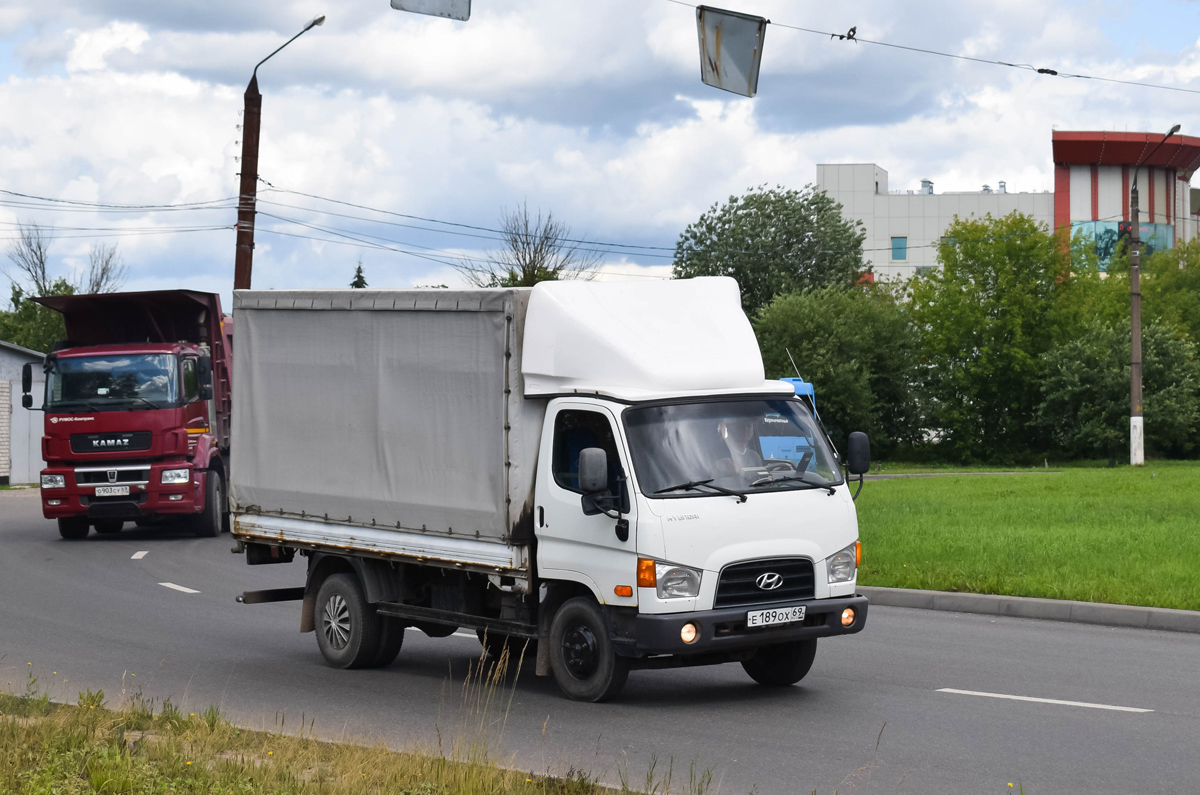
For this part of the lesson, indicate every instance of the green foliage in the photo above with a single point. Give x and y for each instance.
(1085, 394)
(1171, 287)
(773, 241)
(860, 349)
(32, 325)
(360, 280)
(983, 318)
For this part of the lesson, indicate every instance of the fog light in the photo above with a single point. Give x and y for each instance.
(848, 616)
(174, 497)
(54, 502)
(689, 632)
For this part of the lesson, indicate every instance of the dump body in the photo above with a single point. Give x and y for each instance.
(140, 387)
(389, 422)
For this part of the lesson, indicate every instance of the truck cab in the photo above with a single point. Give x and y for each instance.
(134, 429)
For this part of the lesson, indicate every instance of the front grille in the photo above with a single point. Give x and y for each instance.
(123, 476)
(110, 442)
(739, 583)
(124, 508)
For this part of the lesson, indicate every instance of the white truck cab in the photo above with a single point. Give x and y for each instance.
(658, 502)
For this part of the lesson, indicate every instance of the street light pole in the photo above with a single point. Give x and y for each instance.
(1137, 455)
(248, 191)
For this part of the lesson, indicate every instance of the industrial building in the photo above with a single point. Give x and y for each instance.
(1093, 174)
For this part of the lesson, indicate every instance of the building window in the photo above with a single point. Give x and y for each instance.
(924, 269)
(899, 249)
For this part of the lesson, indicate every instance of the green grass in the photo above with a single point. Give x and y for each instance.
(1122, 535)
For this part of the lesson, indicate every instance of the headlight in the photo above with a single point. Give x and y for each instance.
(676, 581)
(176, 476)
(54, 481)
(843, 565)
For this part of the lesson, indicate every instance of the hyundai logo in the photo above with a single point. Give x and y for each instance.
(769, 581)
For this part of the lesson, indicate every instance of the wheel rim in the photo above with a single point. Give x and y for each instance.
(216, 513)
(335, 622)
(581, 651)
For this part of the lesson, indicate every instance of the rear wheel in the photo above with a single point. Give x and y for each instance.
(349, 631)
(391, 638)
(582, 657)
(109, 526)
(782, 665)
(73, 528)
(207, 523)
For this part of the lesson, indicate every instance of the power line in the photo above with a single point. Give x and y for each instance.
(852, 36)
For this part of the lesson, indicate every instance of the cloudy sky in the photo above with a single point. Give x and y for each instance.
(592, 110)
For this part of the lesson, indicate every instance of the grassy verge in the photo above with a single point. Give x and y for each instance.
(1123, 535)
(142, 747)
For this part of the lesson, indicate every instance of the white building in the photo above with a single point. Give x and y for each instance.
(20, 428)
(904, 228)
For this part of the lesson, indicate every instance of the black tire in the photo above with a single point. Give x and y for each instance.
(391, 638)
(436, 630)
(349, 631)
(782, 665)
(582, 657)
(207, 523)
(495, 643)
(73, 528)
(108, 526)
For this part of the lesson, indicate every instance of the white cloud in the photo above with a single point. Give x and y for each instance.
(92, 47)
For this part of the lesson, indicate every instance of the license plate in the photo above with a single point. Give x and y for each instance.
(112, 491)
(782, 615)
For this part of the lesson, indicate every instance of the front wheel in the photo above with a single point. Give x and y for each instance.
(73, 528)
(582, 657)
(207, 523)
(349, 631)
(783, 664)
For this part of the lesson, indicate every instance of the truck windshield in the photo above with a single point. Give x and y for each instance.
(112, 383)
(748, 446)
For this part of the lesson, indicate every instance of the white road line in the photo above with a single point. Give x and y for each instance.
(470, 635)
(175, 587)
(1043, 700)
(140, 555)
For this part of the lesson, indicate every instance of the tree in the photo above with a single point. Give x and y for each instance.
(360, 281)
(536, 249)
(983, 320)
(1085, 394)
(1171, 287)
(859, 349)
(32, 325)
(773, 241)
(106, 269)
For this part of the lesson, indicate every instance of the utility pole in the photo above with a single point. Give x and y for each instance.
(243, 263)
(1137, 429)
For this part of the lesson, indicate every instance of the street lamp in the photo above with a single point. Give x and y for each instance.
(1137, 456)
(248, 193)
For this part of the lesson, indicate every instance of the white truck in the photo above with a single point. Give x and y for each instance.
(598, 471)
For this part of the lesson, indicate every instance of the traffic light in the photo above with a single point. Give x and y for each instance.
(1124, 231)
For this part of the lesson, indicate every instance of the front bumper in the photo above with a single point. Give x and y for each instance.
(148, 499)
(725, 629)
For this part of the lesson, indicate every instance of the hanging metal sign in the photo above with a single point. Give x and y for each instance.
(731, 47)
(451, 9)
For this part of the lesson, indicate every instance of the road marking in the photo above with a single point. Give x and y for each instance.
(1043, 700)
(470, 635)
(140, 555)
(175, 587)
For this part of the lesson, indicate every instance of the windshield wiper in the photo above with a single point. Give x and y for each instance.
(787, 478)
(147, 402)
(692, 485)
(59, 405)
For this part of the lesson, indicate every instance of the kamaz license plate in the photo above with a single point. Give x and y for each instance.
(782, 615)
(112, 491)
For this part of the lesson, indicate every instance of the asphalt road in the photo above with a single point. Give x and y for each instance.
(87, 614)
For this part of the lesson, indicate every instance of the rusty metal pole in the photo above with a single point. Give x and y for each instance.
(243, 262)
(248, 192)
(1137, 455)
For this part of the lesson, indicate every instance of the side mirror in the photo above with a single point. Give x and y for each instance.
(204, 373)
(593, 470)
(858, 457)
(27, 385)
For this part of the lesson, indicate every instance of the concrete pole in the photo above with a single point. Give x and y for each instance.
(1137, 455)
(248, 192)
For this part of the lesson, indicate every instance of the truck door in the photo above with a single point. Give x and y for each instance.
(195, 411)
(572, 545)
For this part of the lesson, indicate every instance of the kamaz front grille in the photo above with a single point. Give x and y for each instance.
(118, 477)
(110, 442)
(760, 582)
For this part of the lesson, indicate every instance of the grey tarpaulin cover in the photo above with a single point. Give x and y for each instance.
(398, 409)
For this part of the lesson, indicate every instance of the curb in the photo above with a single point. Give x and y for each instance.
(1108, 615)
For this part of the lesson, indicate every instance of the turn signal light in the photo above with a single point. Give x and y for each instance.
(848, 616)
(623, 590)
(857, 554)
(647, 577)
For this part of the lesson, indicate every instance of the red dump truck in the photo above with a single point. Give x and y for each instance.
(137, 409)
